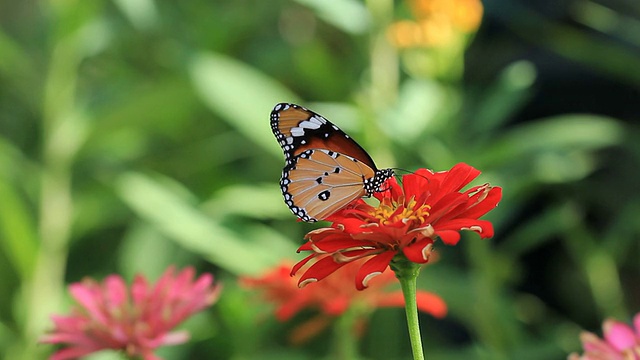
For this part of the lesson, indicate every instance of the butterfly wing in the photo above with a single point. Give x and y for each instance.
(325, 168)
(298, 129)
(319, 182)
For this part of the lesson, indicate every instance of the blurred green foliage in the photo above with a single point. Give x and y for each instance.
(134, 134)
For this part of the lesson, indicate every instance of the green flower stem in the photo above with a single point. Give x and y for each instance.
(345, 339)
(407, 272)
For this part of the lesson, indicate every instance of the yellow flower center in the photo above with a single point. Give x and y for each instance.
(386, 214)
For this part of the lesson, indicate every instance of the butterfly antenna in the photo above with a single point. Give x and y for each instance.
(405, 171)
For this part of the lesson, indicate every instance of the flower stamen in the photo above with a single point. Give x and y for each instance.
(389, 212)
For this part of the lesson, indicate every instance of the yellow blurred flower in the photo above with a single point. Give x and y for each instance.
(437, 22)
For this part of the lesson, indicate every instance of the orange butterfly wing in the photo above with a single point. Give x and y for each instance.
(325, 169)
(299, 129)
(321, 182)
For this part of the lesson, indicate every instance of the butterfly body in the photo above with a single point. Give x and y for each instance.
(325, 169)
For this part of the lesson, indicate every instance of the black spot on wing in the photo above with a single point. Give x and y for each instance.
(324, 196)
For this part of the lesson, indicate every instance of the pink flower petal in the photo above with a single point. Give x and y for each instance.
(71, 353)
(115, 291)
(619, 335)
(110, 315)
(173, 338)
(592, 343)
(148, 355)
(88, 296)
(139, 290)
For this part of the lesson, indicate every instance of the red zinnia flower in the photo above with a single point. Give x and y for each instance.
(331, 298)
(408, 219)
(136, 320)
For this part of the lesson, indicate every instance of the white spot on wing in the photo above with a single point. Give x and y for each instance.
(309, 124)
(297, 131)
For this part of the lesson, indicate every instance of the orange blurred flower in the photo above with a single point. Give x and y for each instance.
(437, 22)
(332, 297)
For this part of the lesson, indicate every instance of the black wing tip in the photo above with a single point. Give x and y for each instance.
(283, 105)
(278, 108)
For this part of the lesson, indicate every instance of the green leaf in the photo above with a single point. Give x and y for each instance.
(504, 98)
(18, 234)
(580, 132)
(240, 94)
(19, 239)
(176, 217)
(347, 15)
(146, 250)
(266, 201)
(15, 62)
(143, 14)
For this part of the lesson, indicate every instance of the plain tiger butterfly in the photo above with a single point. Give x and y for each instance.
(325, 169)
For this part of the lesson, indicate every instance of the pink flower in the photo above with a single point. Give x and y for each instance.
(621, 342)
(136, 320)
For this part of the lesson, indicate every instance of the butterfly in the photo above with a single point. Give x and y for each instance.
(325, 169)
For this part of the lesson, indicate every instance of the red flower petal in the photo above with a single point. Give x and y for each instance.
(489, 203)
(458, 177)
(373, 267)
(319, 270)
(484, 228)
(291, 307)
(337, 305)
(449, 237)
(419, 251)
(301, 263)
(408, 219)
(393, 190)
(340, 243)
(415, 184)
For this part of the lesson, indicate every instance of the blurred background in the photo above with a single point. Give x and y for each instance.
(134, 134)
